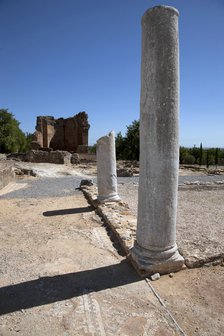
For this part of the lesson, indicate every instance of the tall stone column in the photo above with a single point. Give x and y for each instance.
(106, 169)
(155, 248)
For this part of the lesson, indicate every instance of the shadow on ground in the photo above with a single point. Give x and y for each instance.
(47, 290)
(67, 211)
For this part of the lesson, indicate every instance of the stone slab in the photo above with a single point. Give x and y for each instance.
(7, 174)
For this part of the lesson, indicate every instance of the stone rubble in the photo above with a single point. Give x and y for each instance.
(155, 277)
(116, 215)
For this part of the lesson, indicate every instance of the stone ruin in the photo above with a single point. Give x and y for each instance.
(59, 141)
(70, 134)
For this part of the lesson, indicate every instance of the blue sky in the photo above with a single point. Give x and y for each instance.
(60, 57)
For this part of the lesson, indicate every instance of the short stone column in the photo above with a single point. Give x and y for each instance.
(106, 169)
(155, 248)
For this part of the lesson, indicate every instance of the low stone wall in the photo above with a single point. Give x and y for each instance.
(58, 157)
(46, 156)
(75, 158)
(89, 157)
(7, 174)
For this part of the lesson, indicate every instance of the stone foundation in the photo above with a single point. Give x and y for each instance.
(46, 155)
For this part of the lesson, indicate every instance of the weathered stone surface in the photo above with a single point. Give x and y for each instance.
(155, 277)
(62, 134)
(37, 156)
(36, 145)
(87, 157)
(75, 159)
(106, 169)
(24, 171)
(16, 156)
(124, 172)
(127, 168)
(58, 157)
(86, 183)
(116, 215)
(155, 248)
(7, 174)
(82, 149)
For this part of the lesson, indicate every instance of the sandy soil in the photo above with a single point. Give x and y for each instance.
(61, 274)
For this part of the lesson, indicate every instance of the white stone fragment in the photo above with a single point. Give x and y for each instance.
(155, 277)
(106, 169)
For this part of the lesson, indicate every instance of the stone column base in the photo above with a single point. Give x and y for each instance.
(110, 198)
(149, 262)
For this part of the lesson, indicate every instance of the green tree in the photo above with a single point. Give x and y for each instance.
(12, 139)
(132, 141)
(195, 152)
(120, 146)
(92, 149)
(216, 156)
(200, 155)
(183, 153)
(221, 156)
(208, 159)
(29, 139)
(127, 147)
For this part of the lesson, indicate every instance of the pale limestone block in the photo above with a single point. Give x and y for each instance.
(106, 169)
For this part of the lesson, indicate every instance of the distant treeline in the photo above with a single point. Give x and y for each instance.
(12, 139)
(127, 148)
(202, 156)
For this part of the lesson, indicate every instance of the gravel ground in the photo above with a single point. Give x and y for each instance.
(45, 187)
(65, 186)
(182, 179)
(200, 218)
(201, 178)
(128, 187)
(61, 275)
(200, 212)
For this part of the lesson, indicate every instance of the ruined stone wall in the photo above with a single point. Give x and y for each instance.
(62, 134)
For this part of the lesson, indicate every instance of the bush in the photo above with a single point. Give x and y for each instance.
(127, 147)
(12, 139)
